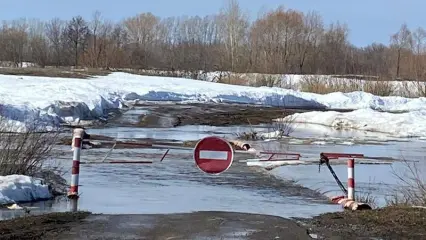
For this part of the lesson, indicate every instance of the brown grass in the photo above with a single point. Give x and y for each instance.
(381, 87)
(162, 73)
(54, 72)
(284, 127)
(233, 79)
(411, 189)
(366, 197)
(24, 152)
(324, 84)
(382, 223)
(267, 80)
(327, 84)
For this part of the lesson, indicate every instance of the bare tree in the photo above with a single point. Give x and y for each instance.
(77, 32)
(13, 40)
(38, 43)
(402, 40)
(276, 34)
(141, 31)
(100, 30)
(334, 49)
(309, 37)
(115, 52)
(54, 30)
(234, 25)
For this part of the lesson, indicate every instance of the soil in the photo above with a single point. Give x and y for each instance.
(40, 226)
(188, 226)
(177, 114)
(385, 223)
(54, 72)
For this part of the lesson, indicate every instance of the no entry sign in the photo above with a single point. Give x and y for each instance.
(213, 155)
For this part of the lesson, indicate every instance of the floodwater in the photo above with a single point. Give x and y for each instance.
(377, 181)
(176, 185)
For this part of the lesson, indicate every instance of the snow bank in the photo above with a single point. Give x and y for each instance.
(58, 100)
(411, 124)
(19, 188)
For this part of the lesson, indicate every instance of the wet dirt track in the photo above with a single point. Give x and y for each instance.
(190, 226)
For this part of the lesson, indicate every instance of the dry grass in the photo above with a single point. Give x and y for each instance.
(54, 72)
(411, 190)
(324, 84)
(380, 87)
(284, 126)
(233, 79)
(276, 129)
(197, 75)
(367, 197)
(251, 135)
(267, 81)
(24, 152)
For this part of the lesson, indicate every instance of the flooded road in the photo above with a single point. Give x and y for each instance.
(177, 186)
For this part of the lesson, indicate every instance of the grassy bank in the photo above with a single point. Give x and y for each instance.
(44, 226)
(394, 222)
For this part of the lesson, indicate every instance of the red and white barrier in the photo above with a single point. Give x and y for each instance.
(77, 142)
(348, 202)
(283, 157)
(118, 162)
(351, 179)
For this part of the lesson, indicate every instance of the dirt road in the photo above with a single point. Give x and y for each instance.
(189, 226)
(388, 223)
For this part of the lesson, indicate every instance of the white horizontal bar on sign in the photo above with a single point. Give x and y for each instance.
(214, 155)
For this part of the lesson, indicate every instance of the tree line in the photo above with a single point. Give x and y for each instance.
(279, 41)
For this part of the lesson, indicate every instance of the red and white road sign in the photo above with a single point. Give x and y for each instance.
(213, 155)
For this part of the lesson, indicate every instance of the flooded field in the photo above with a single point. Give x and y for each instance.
(175, 185)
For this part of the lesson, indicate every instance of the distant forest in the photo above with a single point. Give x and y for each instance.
(279, 41)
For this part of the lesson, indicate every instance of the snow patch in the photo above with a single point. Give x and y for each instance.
(20, 188)
(411, 124)
(65, 100)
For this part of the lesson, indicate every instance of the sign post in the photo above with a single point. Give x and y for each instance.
(213, 155)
